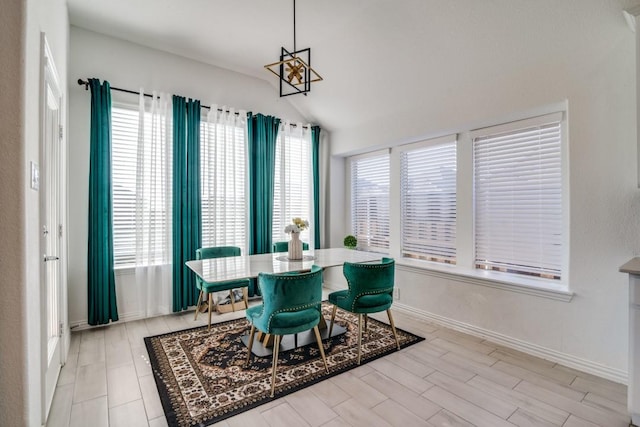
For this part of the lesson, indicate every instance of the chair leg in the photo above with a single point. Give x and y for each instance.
(245, 296)
(393, 327)
(198, 305)
(250, 346)
(210, 308)
(359, 337)
(276, 348)
(233, 305)
(333, 316)
(366, 323)
(321, 347)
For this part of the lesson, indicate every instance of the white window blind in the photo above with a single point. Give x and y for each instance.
(518, 197)
(124, 141)
(223, 142)
(292, 194)
(139, 187)
(370, 201)
(428, 199)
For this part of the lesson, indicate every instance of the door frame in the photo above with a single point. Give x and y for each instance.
(49, 80)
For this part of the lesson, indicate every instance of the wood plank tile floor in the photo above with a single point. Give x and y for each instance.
(450, 379)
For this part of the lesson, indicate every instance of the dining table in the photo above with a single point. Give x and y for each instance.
(214, 270)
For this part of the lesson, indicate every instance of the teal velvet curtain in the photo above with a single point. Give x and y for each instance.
(262, 134)
(315, 160)
(186, 199)
(100, 278)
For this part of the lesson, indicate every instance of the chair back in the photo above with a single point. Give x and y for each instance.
(290, 292)
(284, 246)
(370, 278)
(217, 252)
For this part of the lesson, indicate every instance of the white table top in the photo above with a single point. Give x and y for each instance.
(242, 267)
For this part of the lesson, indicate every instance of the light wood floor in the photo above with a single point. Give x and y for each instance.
(450, 379)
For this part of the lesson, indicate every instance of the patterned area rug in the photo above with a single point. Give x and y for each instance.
(202, 379)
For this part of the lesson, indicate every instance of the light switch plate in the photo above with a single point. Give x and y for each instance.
(35, 176)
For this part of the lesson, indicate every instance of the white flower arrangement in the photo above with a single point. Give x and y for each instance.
(298, 225)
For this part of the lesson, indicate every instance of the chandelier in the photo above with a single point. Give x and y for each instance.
(294, 68)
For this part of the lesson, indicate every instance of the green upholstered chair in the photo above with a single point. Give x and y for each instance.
(284, 246)
(291, 303)
(209, 288)
(370, 291)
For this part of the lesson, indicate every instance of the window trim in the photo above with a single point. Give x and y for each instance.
(447, 139)
(303, 135)
(349, 193)
(560, 117)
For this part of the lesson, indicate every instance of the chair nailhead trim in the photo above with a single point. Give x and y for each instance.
(300, 307)
(286, 277)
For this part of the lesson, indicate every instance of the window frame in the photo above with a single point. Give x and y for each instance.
(561, 118)
(408, 148)
(302, 134)
(204, 127)
(349, 193)
(131, 258)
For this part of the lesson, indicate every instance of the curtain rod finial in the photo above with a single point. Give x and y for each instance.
(83, 83)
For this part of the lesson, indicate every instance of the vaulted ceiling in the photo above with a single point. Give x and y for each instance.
(376, 56)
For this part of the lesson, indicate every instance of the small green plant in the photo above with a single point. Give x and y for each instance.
(350, 242)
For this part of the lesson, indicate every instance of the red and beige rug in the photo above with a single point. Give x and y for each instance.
(202, 379)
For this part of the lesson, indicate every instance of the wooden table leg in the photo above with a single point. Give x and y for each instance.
(245, 296)
(323, 323)
(265, 339)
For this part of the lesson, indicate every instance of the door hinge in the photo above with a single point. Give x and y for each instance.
(61, 329)
(59, 230)
(60, 133)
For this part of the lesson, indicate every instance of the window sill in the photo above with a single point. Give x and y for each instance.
(505, 281)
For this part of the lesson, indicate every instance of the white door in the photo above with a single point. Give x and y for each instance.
(51, 220)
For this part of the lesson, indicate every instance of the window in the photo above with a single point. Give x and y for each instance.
(223, 142)
(293, 192)
(124, 153)
(489, 199)
(142, 185)
(140, 179)
(370, 201)
(518, 197)
(428, 199)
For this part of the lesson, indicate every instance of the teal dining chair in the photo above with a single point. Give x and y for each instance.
(230, 285)
(370, 291)
(284, 246)
(291, 303)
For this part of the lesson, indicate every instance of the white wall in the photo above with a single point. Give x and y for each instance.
(537, 54)
(21, 382)
(130, 66)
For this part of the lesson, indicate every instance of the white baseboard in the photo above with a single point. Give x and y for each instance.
(80, 325)
(594, 368)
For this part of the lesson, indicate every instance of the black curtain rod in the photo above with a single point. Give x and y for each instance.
(85, 83)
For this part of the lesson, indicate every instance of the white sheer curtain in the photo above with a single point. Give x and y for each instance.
(153, 205)
(293, 183)
(223, 159)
